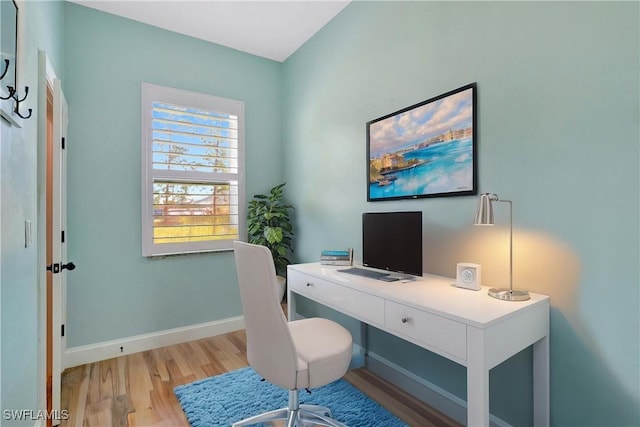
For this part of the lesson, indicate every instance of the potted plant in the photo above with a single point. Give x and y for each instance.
(269, 225)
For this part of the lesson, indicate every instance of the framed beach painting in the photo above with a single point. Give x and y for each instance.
(425, 150)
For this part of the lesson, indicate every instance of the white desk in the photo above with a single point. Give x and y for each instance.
(468, 327)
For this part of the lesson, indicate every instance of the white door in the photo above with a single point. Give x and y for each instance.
(60, 264)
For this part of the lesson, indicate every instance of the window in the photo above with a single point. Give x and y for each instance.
(192, 171)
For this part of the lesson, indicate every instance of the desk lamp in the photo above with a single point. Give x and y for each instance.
(484, 216)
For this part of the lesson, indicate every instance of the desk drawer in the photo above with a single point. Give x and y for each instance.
(429, 330)
(360, 305)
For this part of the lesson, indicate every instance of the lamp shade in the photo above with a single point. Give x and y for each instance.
(484, 213)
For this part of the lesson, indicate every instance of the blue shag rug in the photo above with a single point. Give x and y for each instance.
(234, 396)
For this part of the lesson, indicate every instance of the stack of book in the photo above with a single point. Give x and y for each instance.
(336, 257)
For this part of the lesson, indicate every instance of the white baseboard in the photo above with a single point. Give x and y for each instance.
(76, 356)
(436, 397)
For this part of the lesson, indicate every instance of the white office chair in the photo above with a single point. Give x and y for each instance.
(294, 355)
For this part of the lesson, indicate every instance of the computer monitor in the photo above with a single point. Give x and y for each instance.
(393, 241)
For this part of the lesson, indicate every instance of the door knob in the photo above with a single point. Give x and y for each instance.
(69, 266)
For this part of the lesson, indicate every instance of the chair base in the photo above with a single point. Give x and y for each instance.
(296, 415)
(304, 416)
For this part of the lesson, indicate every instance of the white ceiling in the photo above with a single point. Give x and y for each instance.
(271, 29)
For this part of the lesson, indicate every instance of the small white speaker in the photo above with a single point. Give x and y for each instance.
(468, 275)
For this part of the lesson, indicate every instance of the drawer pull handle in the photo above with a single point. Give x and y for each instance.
(404, 319)
(309, 284)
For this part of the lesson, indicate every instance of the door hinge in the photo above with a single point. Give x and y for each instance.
(62, 236)
(63, 142)
(61, 330)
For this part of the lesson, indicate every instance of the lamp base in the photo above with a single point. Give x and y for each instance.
(509, 294)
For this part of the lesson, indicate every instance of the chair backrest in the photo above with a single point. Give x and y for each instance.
(270, 348)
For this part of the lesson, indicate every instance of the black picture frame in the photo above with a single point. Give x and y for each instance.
(428, 149)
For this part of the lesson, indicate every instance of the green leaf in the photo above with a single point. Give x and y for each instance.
(273, 234)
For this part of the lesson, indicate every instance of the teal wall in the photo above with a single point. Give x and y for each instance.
(115, 292)
(558, 90)
(20, 312)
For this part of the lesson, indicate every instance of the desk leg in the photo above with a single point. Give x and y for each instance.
(359, 352)
(477, 380)
(541, 409)
(291, 306)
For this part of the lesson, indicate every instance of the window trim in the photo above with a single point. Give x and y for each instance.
(149, 94)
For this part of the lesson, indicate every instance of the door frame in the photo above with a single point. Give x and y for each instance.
(46, 78)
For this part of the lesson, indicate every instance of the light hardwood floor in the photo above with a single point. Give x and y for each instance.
(137, 390)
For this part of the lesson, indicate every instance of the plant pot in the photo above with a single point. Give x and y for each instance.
(282, 283)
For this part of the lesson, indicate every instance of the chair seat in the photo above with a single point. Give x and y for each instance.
(324, 351)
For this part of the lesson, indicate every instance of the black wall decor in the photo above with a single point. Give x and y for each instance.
(10, 99)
